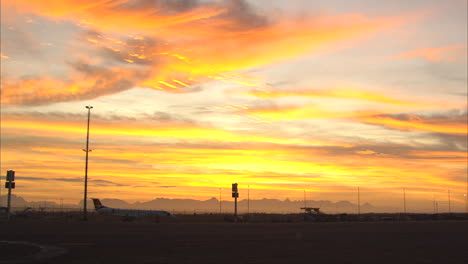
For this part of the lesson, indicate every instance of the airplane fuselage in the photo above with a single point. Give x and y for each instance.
(131, 212)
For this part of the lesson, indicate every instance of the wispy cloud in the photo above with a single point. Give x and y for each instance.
(451, 124)
(305, 112)
(338, 93)
(171, 130)
(450, 53)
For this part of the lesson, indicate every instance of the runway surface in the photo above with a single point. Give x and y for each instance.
(342, 242)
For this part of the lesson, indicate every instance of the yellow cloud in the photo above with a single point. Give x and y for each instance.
(338, 93)
(303, 113)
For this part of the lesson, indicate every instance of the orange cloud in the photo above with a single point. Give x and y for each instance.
(449, 53)
(121, 15)
(454, 125)
(186, 46)
(89, 84)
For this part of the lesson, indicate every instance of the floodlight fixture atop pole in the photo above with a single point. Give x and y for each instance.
(87, 150)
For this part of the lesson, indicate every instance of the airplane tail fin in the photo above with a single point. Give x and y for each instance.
(97, 203)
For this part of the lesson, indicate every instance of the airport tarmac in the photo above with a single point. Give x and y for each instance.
(338, 242)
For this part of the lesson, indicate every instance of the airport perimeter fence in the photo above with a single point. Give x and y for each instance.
(76, 214)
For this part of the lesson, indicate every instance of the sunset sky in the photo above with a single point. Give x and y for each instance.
(190, 96)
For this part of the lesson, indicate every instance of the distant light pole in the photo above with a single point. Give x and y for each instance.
(87, 150)
(248, 199)
(359, 201)
(305, 200)
(466, 202)
(449, 208)
(404, 200)
(220, 200)
(1, 190)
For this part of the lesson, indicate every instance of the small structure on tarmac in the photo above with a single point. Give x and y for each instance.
(312, 214)
(311, 210)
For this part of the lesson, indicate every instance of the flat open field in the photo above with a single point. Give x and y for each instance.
(338, 242)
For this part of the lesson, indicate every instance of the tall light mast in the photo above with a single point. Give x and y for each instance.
(87, 150)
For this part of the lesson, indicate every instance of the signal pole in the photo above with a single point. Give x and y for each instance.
(10, 184)
(235, 195)
(87, 150)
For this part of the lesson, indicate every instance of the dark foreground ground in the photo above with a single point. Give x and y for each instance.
(337, 242)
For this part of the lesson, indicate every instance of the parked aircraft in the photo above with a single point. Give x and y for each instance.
(127, 213)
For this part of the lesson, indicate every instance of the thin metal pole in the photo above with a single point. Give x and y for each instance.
(219, 200)
(1, 187)
(450, 209)
(305, 201)
(85, 209)
(433, 201)
(235, 209)
(248, 199)
(359, 202)
(9, 199)
(404, 200)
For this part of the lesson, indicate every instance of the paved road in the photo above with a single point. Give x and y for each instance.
(381, 242)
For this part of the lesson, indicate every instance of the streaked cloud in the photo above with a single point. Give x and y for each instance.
(339, 93)
(310, 111)
(455, 124)
(148, 128)
(177, 156)
(450, 53)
